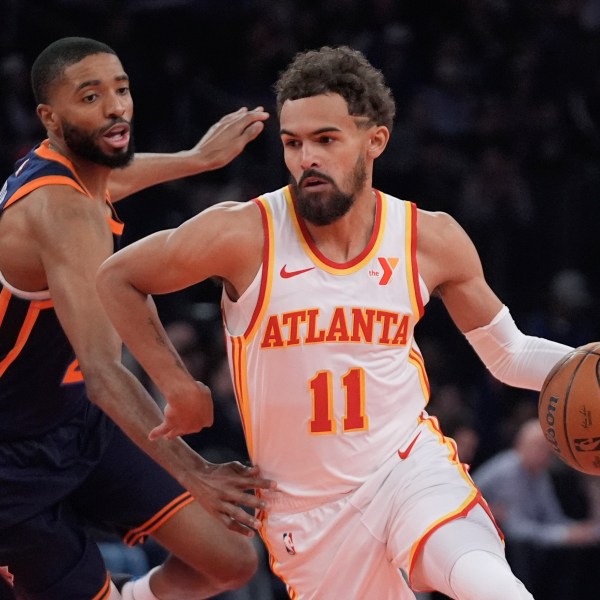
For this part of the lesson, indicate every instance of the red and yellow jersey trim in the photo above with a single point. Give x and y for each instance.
(239, 343)
(238, 349)
(412, 269)
(268, 260)
(475, 498)
(415, 358)
(240, 385)
(322, 261)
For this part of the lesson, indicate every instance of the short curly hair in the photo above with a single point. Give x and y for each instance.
(48, 68)
(340, 70)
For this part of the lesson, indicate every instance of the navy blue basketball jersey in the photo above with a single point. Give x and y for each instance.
(41, 384)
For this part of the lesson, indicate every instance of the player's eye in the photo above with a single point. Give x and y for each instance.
(89, 98)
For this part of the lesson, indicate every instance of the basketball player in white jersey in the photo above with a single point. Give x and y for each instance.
(323, 283)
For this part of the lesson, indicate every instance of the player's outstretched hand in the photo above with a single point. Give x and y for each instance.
(223, 489)
(228, 137)
(188, 412)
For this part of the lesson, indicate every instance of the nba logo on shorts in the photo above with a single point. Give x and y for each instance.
(288, 542)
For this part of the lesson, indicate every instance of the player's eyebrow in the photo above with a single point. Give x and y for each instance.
(316, 132)
(96, 82)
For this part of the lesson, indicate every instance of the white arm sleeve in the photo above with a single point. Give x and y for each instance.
(511, 356)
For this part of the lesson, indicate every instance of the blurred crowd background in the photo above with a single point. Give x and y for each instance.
(498, 123)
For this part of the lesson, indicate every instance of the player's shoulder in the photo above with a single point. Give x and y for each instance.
(226, 220)
(233, 211)
(434, 218)
(36, 176)
(438, 226)
(60, 198)
(62, 212)
(44, 164)
(445, 251)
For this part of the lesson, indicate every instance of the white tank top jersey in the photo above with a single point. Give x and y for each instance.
(328, 377)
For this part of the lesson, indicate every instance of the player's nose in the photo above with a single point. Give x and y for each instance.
(116, 106)
(310, 158)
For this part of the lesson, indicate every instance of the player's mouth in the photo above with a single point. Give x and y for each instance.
(314, 183)
(117, 136)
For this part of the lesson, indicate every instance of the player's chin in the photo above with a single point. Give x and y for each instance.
(121, 158)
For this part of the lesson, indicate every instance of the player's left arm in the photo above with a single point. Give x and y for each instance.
(223, 142)
(451, 267)
(223, 241)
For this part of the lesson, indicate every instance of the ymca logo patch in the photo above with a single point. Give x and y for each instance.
(386, 270)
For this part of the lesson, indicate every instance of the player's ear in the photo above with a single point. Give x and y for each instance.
(378, 139)
(48, 117)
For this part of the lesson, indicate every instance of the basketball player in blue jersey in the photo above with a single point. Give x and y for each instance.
(324, 281)
(74, 423)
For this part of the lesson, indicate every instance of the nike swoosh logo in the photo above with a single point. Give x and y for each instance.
(403, 454)
(287, 274)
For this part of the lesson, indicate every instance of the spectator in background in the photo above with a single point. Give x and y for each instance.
(518, 486)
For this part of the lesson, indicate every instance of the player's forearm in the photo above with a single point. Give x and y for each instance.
(148, 169)
(136, 320)
(219, 146)
(513, 357)
(124, 399)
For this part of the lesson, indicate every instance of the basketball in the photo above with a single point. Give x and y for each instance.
(569, 408)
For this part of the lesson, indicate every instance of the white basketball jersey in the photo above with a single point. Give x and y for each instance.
(328, 377)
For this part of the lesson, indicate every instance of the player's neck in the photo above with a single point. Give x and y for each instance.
(93, 175)
(346, 238)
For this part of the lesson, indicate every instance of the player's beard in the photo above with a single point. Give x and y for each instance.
(324, 208)
(83, 144)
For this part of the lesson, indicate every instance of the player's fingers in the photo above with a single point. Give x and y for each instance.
(251, 472)
(253, 130)
(233, 116)
(264, 484)
(237, 526)
(246, 470)
(254, 115)
(239, 515)
(251, 500)
(162, 430)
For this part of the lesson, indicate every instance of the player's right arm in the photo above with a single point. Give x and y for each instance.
(224, 241)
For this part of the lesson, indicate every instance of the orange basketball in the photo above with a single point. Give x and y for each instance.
(569, 408)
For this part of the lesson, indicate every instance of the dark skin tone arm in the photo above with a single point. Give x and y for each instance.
(57, 237)
(218, 146)
(71, 238)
